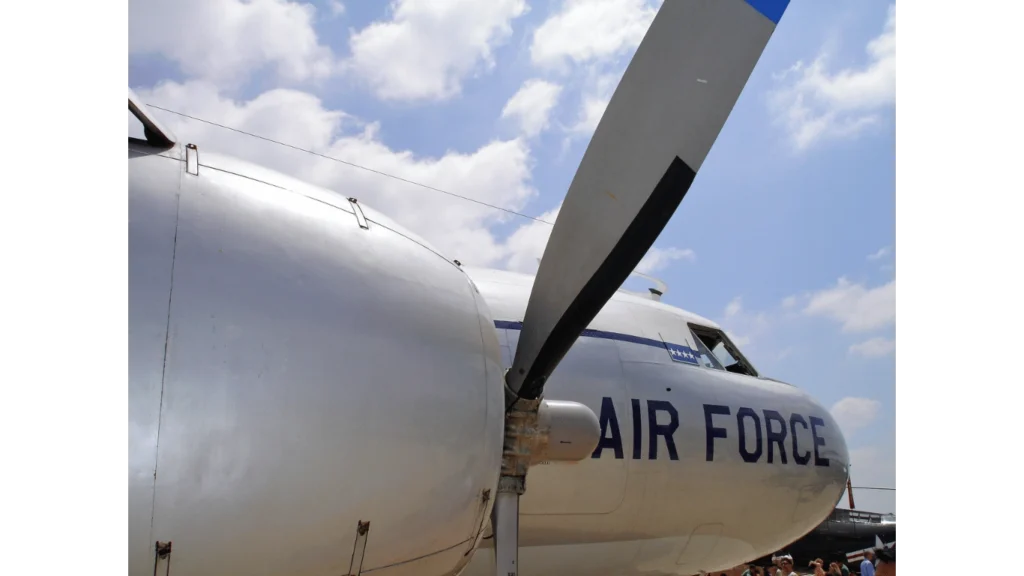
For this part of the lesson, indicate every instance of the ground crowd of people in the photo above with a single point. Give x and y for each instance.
(877, 562)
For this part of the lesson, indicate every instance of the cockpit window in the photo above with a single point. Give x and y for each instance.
(705, 357)
(718, 352)
(721, 352)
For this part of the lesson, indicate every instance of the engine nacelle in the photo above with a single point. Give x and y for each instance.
(299, 366)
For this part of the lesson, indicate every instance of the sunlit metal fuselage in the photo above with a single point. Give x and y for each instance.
(293, 373)
(643, 511)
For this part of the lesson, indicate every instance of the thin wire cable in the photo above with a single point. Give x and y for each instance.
(873, 488)
(352, 164)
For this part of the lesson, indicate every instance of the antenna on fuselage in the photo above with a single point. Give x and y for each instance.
(659, 286)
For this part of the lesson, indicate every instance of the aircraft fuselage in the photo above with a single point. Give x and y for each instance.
(698, 468)
(300, 364)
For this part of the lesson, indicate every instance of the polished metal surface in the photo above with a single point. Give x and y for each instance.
(152, 219)
(315, 390)
(292, 374)
(317, 374)
(665, 516)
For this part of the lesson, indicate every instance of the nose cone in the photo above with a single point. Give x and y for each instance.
(790, 476)
(822, 446)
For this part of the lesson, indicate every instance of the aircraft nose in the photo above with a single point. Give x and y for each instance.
(825, 450)
(828, 441)
(819, 444)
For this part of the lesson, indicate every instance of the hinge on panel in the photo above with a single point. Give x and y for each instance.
(192, 159)
(162, 551)
(355, 565)
(360, 218)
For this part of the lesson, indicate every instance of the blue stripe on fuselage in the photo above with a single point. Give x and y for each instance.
(667, 346)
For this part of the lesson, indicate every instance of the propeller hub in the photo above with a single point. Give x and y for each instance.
(522, 435)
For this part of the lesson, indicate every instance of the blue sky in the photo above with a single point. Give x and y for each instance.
(786, 237)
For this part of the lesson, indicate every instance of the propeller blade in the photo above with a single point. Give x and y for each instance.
(662, 120)
(156, 133)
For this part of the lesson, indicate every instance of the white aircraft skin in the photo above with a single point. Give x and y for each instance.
(373, 392)
(314, 390)
(642, 515)
(292, 373)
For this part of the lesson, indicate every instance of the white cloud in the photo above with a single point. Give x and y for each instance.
(531, 105)
(585, 30)
(525, 247)
(855, 307)
(593, 39)
(859, 309)
(874, 347)
(427, 48)
(498, 172)
(813, 103)
(225, 41)
(422, 50)
(591, 111)
(855, 413)
(872, 466)
(882, 253)
(594, 97)
(745, 328)
(739, 341)
(733, 307)
(658, 258)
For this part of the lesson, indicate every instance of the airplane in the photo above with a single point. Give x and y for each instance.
(842, 532)
(314, 389)
(857, 556)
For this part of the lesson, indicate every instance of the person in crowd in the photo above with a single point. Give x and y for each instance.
(838, 569)
(886, 562)
(786, 566)
(867, 567)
